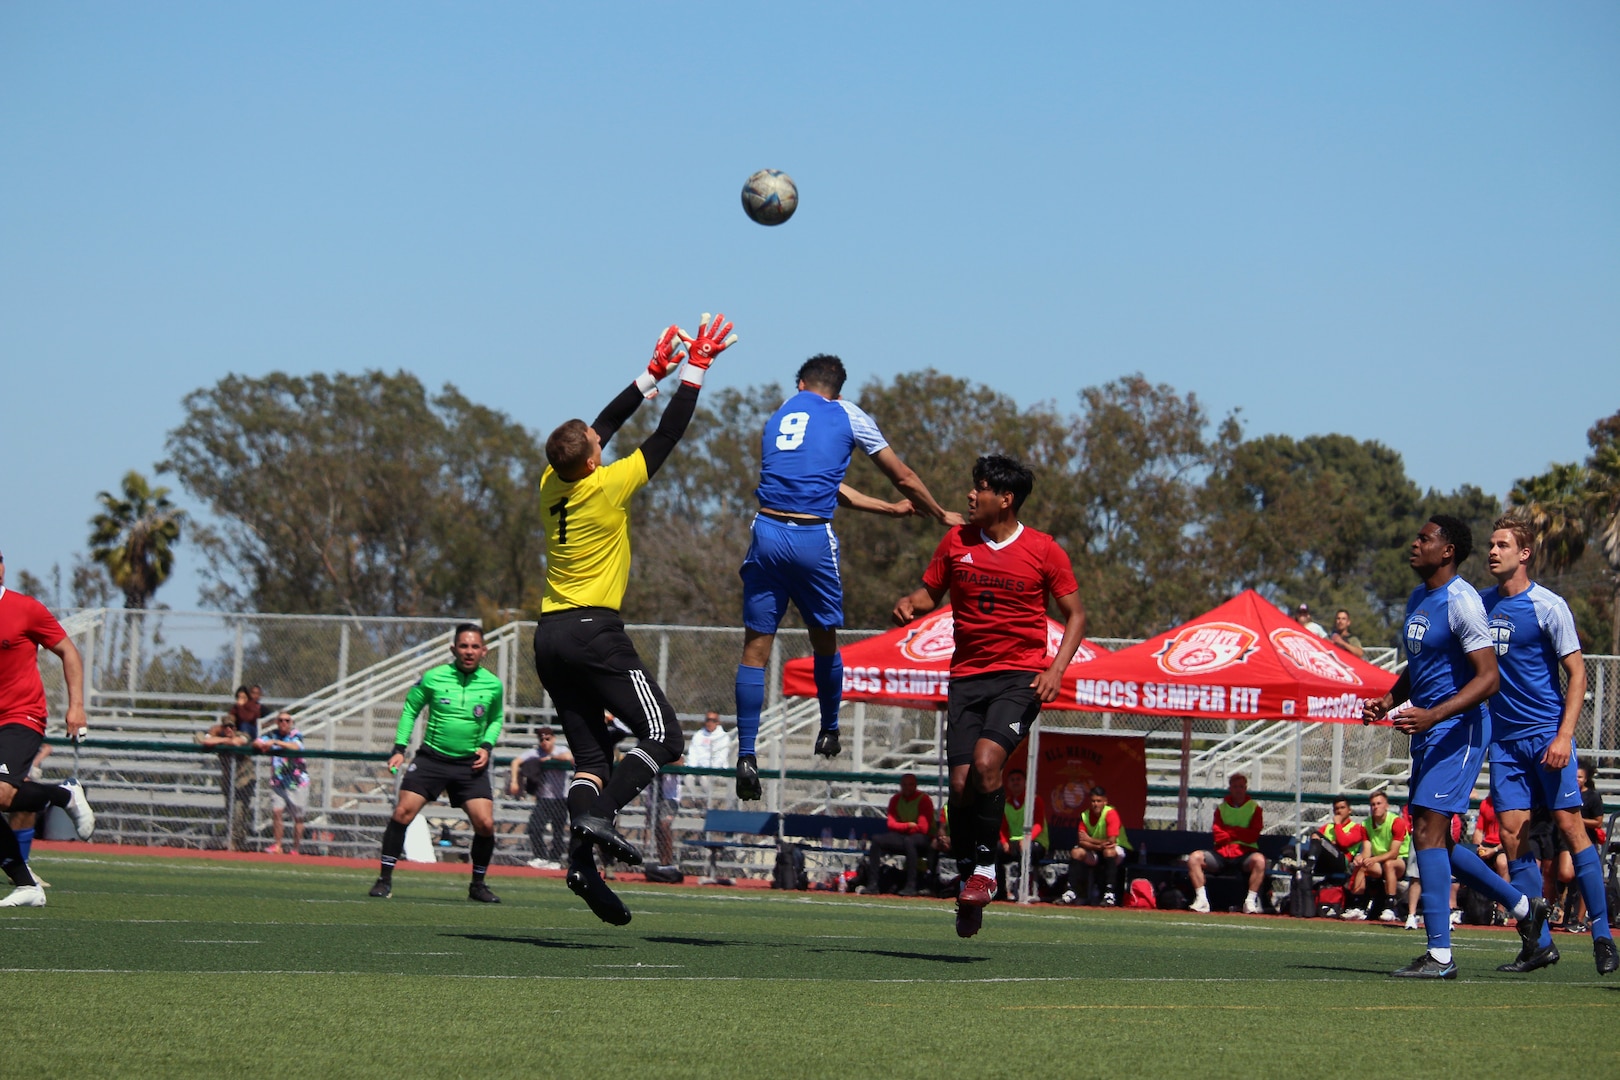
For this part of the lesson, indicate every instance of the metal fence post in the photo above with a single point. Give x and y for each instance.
(236, 658)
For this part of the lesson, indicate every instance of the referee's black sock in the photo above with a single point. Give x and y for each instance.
(483, 847)
(33, 797)
(393, 846)
(11, 860)
(633, 773)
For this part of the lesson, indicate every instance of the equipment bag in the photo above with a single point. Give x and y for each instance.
(1301, 895)
(1140, 894)
(790, 872)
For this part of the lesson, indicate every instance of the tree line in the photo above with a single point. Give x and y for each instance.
(367, 494)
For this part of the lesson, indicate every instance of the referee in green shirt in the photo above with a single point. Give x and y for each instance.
(463, 703)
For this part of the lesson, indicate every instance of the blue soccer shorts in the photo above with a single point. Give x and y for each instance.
(791, 562)
(1519, 781)
(1445, 765)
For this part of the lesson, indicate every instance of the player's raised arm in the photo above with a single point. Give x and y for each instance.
(667, 356)
(906, 479)
(714, 337)
(867, 504)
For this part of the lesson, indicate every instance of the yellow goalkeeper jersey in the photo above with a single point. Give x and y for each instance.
(588, 534)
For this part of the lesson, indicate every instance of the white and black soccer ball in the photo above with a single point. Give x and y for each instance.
(770, 197)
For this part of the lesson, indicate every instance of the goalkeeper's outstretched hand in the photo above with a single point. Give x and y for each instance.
(667, 356)
(714, 337)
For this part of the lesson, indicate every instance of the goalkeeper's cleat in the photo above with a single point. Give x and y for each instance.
(383, 889)
(480, 892)
(588, 885)
(604, 835)
(25, 896)
(827, 744)
(748, 785)
(78, 808)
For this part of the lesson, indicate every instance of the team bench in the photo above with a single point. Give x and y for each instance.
(832, 836)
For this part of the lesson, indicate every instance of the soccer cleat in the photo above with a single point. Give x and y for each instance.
(1109, 899)
(1354, 914)
(969, 917)
(383, 889)
(1532, 959)
(480, 892)
(1456, 917)
(1252, 907)
(1426, 967)
(605, 836)
(748, 786)
(25, 896)
(78, 808)
(1414, 922)
(603, 902)
(827, 744)
(1201, 905)
(978, 891)
(1604, 953)
(1530, 928)
(1070, 898)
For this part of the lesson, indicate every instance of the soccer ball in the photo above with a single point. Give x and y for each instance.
(770, 197)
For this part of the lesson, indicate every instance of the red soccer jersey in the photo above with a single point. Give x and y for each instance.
(1488, 824)
(998, 596)
(25, 625)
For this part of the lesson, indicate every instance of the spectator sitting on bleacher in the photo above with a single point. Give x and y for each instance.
(710, 747)
(1488, 839)
(1013, 827)
(1238, 822)
(911, 819)
(1389, 846)
(1101, 843)
(1337, 846)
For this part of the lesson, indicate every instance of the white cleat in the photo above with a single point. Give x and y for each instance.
(84, 818)
(1387, 915)
(1252, 907)
(1200, 905)
(1354, 914)
(1414, 922)
(25, 896)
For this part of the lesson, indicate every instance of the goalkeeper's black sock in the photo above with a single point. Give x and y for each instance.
(633, 773)
(483, 847)
(582, 795)
(393, 847)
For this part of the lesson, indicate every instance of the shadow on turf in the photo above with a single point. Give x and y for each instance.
(1327, 967)
(895, 954)
(700, 942)
(537, 942)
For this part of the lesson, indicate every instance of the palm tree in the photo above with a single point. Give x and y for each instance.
(1555, 504)
(1603, 507)
(134, 538)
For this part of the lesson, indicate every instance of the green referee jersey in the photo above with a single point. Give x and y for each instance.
(463, 711)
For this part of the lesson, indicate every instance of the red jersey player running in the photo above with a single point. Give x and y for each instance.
(999, 574)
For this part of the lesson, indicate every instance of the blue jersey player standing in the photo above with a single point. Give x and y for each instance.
(793, 554)
(1450, 672)
(1533, 758)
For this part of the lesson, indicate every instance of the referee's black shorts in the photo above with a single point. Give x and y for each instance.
(999, 706)
(588, 665)
(431, 775)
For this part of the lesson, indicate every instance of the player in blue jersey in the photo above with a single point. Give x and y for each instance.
(1533, 762)
(793, 554)
(1450, 672)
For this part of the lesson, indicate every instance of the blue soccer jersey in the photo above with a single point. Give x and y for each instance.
(1532, 632)
(806, 450)
(1442, 627)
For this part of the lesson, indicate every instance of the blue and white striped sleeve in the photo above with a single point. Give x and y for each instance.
(864, 428)
(1556, 621)
(1466, 613)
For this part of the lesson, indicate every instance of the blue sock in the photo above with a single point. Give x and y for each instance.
(1472, 871)
(1588, 872)
(25, 842)
(1526, 873)
(750, 702)
(1434, 874)
(829, 688)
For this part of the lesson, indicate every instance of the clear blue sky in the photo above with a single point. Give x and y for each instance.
(1400, 222)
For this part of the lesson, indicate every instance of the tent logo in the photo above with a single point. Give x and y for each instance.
(1307, 652)
(932, 640)
(1207, 647)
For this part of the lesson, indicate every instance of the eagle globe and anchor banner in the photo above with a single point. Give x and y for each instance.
(910, 666)
(1244, 660)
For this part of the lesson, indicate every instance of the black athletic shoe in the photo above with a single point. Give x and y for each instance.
(604, 904)
(1533, 960)
(383, 889)
(1427, 967)
(827, 744)
(1530, 928)
(605, 836)
(748, 786)
(480, 892)
(1604, 953)
(969, 917)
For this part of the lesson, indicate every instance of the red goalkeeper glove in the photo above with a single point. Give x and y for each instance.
(667, 356)
(713, 338)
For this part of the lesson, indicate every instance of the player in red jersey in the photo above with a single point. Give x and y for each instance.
(999, 574)
(25, 627)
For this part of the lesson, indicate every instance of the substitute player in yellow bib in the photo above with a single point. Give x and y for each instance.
(581, 652)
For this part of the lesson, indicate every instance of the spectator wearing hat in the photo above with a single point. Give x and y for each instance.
(1302, 615)
(549, 786)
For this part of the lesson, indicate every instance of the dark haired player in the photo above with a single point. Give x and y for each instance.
(793, 553)
(25, 628)
(581, 651)
(464, 718)
(1450, 671)
(999, 574)
(1533, 755)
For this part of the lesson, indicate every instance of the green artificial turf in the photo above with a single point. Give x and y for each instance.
(184, 967)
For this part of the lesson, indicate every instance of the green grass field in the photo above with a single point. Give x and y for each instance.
(146, 966)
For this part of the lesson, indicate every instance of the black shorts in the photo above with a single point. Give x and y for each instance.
(998, 706)
(430, 776)
(589, 666)
(1542, 835)
(18, 745)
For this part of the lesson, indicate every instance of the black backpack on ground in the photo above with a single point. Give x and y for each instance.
(1301, 895)
(790, 872)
